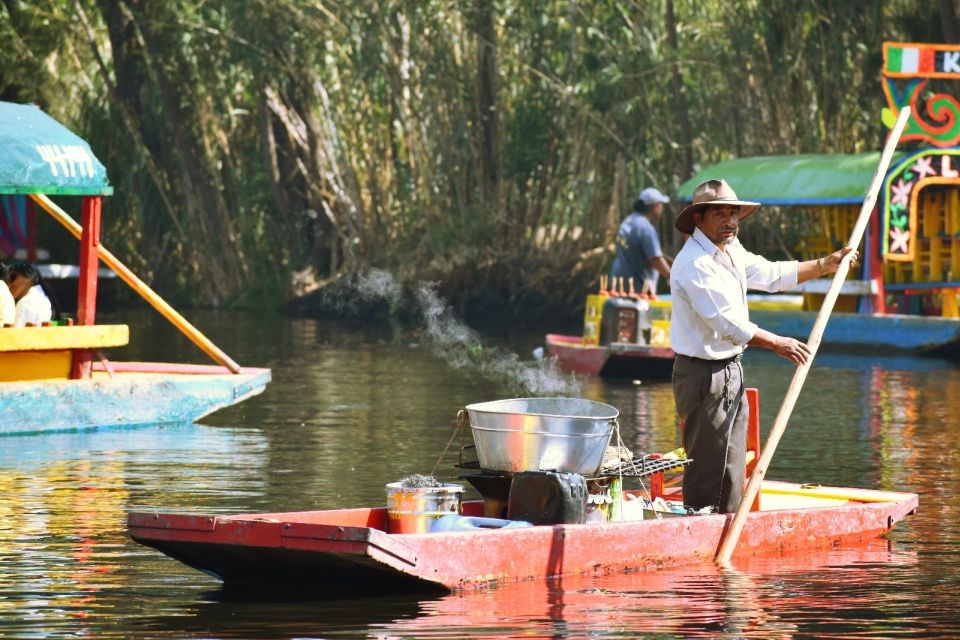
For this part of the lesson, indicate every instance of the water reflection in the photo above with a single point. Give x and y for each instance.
(827, 595)
(352, 408)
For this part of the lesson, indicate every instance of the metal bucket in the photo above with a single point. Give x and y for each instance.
(542, 434)
(415, 509)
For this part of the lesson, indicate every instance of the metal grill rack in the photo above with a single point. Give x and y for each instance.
(645, 466)
(639, 468)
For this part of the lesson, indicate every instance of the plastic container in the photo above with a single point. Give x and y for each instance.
(415, 509)
(471, 523)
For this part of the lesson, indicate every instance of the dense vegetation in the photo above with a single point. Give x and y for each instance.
(260, 148)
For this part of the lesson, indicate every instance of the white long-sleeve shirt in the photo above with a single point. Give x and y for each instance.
(34, 307)
(709, 292)
(8, 306)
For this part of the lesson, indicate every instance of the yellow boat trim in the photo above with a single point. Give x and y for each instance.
(773, 487)
(95, 336)
(18, 366)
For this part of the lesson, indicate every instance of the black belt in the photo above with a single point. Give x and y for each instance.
(723, 362)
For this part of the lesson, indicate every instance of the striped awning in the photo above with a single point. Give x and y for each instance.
(40, 155)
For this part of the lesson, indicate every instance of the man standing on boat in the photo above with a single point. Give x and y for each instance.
(639, 255)
(709, 330)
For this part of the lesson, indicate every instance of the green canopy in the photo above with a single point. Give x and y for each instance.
(801, 179)
(40, 155)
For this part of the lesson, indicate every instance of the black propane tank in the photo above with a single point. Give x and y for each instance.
(548, 497)
(620, 320)
(644, 325)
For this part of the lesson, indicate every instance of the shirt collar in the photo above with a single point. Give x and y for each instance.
(707, 245)
(705, 242)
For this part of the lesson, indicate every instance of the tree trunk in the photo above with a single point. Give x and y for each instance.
(487, 99)
(684, 136)
(948, 20)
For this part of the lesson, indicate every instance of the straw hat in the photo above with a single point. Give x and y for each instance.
(712, 192)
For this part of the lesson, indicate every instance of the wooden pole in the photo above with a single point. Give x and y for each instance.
(729, 542)
(141, 287)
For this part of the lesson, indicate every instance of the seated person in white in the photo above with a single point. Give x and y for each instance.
(8, 309)
(33, 304)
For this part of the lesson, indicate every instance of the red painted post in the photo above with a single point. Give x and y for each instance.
(656, 485)
(87, 289)
(753, 437)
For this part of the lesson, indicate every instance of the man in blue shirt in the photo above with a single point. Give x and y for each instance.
(638, 246)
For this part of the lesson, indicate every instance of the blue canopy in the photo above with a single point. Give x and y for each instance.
(40, 155)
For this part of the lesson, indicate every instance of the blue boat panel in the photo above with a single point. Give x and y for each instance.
(916, 334)
(125, 400)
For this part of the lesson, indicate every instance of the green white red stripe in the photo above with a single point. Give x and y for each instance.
(922, 60)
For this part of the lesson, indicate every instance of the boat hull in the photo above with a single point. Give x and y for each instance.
(350, 551)
(130, 394)
(892, 332)
(610, 361)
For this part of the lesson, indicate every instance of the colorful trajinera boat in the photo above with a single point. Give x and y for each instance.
(375, 550)
(905, 296)
(56, 377)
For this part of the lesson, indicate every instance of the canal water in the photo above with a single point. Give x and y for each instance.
(354, 406)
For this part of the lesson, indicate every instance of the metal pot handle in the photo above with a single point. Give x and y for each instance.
(463, 421)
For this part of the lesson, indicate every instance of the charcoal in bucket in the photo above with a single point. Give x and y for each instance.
(548, 497)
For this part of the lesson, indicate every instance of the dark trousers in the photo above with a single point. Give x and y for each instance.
(712, 405)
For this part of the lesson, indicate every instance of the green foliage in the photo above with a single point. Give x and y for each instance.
(249, 141)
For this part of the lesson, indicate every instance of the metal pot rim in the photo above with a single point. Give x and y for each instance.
(552, 434)
(448, 487)
(481, 407)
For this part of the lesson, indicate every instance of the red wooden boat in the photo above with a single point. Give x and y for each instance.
(353, 550)
(615, 360)
(350, 550)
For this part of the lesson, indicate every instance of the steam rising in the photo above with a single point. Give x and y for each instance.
(450, 339)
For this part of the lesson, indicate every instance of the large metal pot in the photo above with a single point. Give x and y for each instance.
(541, 434)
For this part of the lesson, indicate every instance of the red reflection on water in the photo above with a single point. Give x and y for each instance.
(756, 599)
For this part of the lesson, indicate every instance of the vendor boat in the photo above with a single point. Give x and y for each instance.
(625, 335)
(364, 551)
(352, 550)
(55, 378)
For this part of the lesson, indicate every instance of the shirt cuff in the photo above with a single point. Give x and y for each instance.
(789, 278)
(744, 333)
